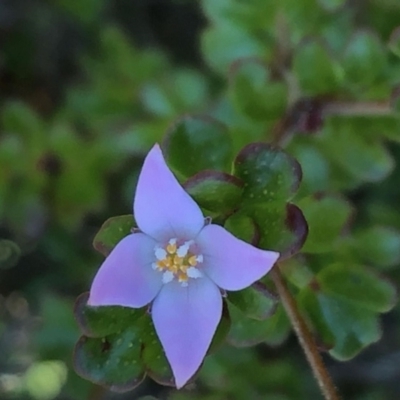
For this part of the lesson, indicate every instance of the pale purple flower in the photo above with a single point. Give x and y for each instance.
(178, 263)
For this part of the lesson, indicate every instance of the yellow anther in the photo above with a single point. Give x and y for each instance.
(182, 277)
(160, 264)
(183, 268)
(178, 260)
(173, 260)
(192, 261)
(171, 248)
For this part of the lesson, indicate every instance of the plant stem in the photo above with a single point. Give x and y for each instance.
(357, 108)
(305, 337)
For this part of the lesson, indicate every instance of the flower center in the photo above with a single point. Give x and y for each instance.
(177, 262)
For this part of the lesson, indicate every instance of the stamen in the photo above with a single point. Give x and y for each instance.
(192, 261)
(167, 277)
(193, 273)
(160, 253)
(182, 277)
(183, 250)
(171, 247)
(177, 262)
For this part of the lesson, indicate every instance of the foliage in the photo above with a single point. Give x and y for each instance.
(288, 136)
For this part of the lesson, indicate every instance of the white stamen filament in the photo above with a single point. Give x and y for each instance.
(167, 277)
(193, 273)
(177, 263)
(183, 250)
(160, 253)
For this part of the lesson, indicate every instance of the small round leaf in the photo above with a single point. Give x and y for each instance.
(215, 191)
(113, 361)
(112, 232)
(269, 173)
(197, 143)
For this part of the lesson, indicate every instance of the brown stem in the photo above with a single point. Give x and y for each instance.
(357, 108)
(305, 337)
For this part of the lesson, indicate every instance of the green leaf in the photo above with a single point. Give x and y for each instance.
(281, 227)
(157, 365)
(222, 330)
(379, 245)
(247, 332)
(362, 156)
(326, 218)
(354, 328)
(55, 338)
(197, 96)
(351, 337)
(171, 96)
(253, 15)
(255, 302)
(315, 167)
(83, 11)
(196, 143)
(296, 271)
(109, 326)
(113, 361)
(216, 191)
(343, 327)
(223, 44)
(373, 127)
(309, 304)
(269, 174)
(358, 286)
(343, 303)
(9, 254)
(394, 41)
(331, 5)
(316, 70)
(112, 232)
(364, 59)
(254, 93)
(19, 119)
(157, 100)
(278, 227)
(104, 320)
(243, 227)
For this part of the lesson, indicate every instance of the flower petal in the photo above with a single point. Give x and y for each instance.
(230, 262)
(126, 277)
(185, 319)
(161, 207)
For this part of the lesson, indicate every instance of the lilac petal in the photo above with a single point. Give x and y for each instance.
(230, 262)
(126, 277)
(185, 319)
(161, 207)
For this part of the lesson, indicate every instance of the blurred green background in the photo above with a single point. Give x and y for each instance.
(86, 88)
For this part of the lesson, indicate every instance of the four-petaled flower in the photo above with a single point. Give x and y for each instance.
(178, 263)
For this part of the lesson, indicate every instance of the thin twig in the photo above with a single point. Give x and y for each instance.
(305, 337)
(357, 108)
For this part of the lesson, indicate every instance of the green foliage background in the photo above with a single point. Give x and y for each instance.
(87, 86)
